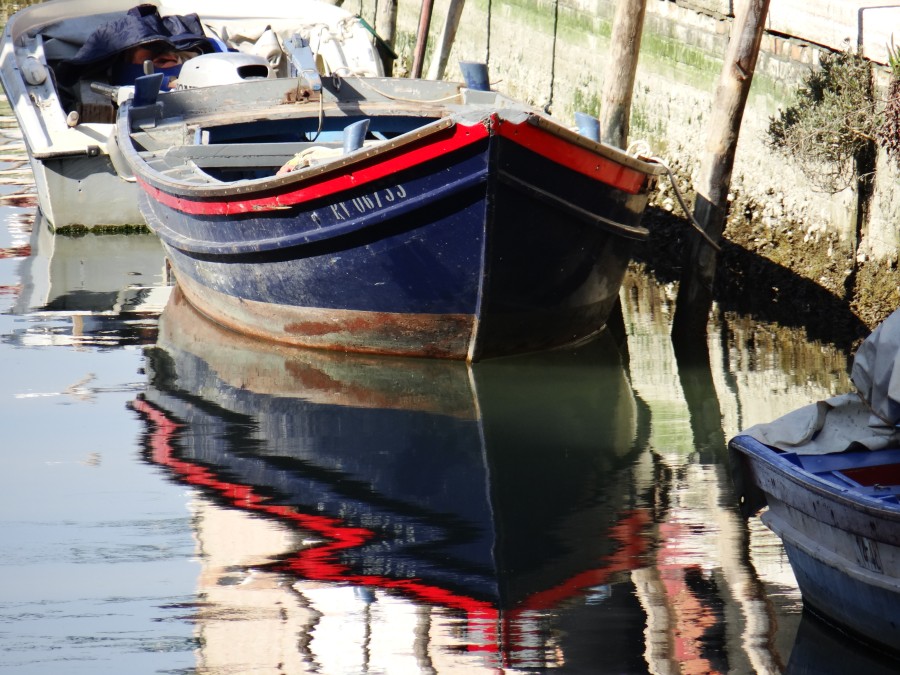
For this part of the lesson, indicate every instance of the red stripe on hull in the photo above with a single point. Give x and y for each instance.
(369, 170)
(574, 157)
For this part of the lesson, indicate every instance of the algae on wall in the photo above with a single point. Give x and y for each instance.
(551, 53)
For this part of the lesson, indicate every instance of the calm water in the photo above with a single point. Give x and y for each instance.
(177, 499)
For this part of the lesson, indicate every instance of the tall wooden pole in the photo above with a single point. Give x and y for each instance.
(445, 42)
(386, 25)
(711, 206)
(621, 67)
(421, 38)
(615, 106)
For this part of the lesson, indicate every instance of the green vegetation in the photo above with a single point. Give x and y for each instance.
(586, 103)
(82, 231)
(833, 124)
(889, 133)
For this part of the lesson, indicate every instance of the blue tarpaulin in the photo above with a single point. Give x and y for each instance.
(141, 25)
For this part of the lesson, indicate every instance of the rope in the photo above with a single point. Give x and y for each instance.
(371, 86)
(487, 49)
(637, 148)
(553, 57)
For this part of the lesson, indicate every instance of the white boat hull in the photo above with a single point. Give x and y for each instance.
(76, 182)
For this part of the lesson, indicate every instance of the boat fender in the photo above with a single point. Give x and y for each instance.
(34, 72)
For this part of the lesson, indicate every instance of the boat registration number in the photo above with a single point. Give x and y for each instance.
(367, 203)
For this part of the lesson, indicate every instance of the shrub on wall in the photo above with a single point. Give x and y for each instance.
(834, 122)
(889, 133)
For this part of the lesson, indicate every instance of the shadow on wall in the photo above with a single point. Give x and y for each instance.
(752, 285)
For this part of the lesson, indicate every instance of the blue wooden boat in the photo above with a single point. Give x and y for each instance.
(838, 516)
(385, 215)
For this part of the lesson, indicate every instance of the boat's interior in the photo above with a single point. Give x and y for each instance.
(228, 153)
(58, 42)
(874, 473)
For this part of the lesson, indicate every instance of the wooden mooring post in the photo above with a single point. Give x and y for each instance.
(445, 42)
(421, 38)
(386, 25)
(711, 206)
(619, 74)
(615, 105)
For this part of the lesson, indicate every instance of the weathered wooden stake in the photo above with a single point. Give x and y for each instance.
(615, 105)
(621, 66)
(386, 25)
(711, 206)
(445, 42)
(421, 38)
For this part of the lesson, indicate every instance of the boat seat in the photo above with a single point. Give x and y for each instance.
(243, 155)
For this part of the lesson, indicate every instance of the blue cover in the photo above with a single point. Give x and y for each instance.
(141, 25)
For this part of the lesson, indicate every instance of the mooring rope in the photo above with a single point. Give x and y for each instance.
(549, 103)
(487, 49)
(639, 148)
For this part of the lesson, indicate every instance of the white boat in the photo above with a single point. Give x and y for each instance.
(66, 124)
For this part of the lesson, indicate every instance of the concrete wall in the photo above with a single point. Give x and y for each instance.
(551, 53)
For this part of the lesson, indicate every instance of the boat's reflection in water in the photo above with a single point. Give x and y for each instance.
(820, 649)
(89, 290)
(407, 509)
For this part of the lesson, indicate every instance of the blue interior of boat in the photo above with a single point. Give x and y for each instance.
(307, 129)
(873, 473)
(256, 150)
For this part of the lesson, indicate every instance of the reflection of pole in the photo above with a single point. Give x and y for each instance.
(711, 207)
(421, 38)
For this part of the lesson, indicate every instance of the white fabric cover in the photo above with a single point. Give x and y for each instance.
(868, 417)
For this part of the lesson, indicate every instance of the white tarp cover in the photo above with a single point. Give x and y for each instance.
(868, 417)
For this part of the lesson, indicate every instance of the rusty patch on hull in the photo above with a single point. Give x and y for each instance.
(319, 376)
(433, 335)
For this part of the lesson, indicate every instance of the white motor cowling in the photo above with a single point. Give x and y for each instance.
(207, 70)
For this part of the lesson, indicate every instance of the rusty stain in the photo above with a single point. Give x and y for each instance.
(20, 201)
(15, 252)
(444, 336)
(320, 375)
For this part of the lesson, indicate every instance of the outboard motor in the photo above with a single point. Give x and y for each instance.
(222, 68)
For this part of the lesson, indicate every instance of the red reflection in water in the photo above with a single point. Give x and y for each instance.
(22, 251)
(489, 630)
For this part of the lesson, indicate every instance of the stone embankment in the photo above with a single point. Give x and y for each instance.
(791, 248)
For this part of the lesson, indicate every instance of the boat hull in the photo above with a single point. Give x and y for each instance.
(480, 245)
(843, 546)
(68, 189)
